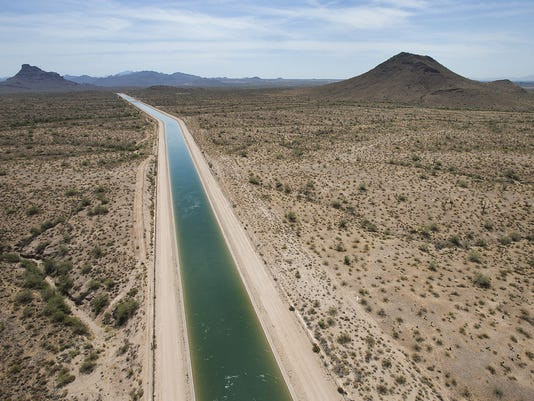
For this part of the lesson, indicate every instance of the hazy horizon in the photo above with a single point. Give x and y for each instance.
(301, 39)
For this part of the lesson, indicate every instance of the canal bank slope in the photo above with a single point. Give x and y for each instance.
(292, 347)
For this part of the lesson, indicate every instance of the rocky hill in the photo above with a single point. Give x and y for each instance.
(420, 80)
(33, 79)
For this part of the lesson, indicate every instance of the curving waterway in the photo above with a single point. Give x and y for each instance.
(230, 356)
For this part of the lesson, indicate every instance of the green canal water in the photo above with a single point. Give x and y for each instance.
(230, 355)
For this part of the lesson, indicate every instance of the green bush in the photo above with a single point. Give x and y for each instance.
(474, 257)
(33, 278)
(254, 180)
(23, 297)
(56, 308)
(511, 175)
(32, 210)
(64, 377)
(89, 363)
(64, 283)
(344, 338)
(124, 311)
(10, 257)
(76, 325)
(99, 303)
(98, 210)
(369, 226)
(482, 281)
(291, 216)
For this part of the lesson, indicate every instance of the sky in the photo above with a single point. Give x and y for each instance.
(270, 39)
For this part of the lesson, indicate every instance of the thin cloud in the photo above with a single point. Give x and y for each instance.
(334, 38)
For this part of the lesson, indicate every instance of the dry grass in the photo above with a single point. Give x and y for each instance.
(402, 235)
(68, 169)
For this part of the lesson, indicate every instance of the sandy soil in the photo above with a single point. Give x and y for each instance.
(83, 165)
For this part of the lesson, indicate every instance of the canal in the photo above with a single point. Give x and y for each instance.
(230, 356)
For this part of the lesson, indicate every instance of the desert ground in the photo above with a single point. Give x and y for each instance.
(76, 181)
(401, 236)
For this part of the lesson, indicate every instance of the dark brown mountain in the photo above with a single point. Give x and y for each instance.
(33, 79)
(420, 80)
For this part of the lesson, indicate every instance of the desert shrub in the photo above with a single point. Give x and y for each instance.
(454, 241)
(369, 226)
(92, 285)
(64, 377)
(64, 283)
(108, 283)
(488, 225)
(33, 278)
(23, 297)
(76, 325)
(10, 257)
(511, 175)
(481, 243)
(85, 202)
(99, 303)
(41, 246)
(287, 189)
(56, 308)
(315, 348)
(53, 267)
(482, 281)
(336, 204)
(71, 192)
(344, 338)
(474, 257)
(50, 266)
(98, 210)
(505, 240)
(89, 363)
(124, 311)
(515, 236)
(255, 180)
(382, 389)
(291, 216)
(32, 210)
(86, 268)
(97, 252)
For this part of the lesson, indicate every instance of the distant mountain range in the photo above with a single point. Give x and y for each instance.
(31, 78)
(153, 78)
(420, 80)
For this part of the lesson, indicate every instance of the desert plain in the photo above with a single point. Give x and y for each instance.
(398, 234)
(401, 235)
